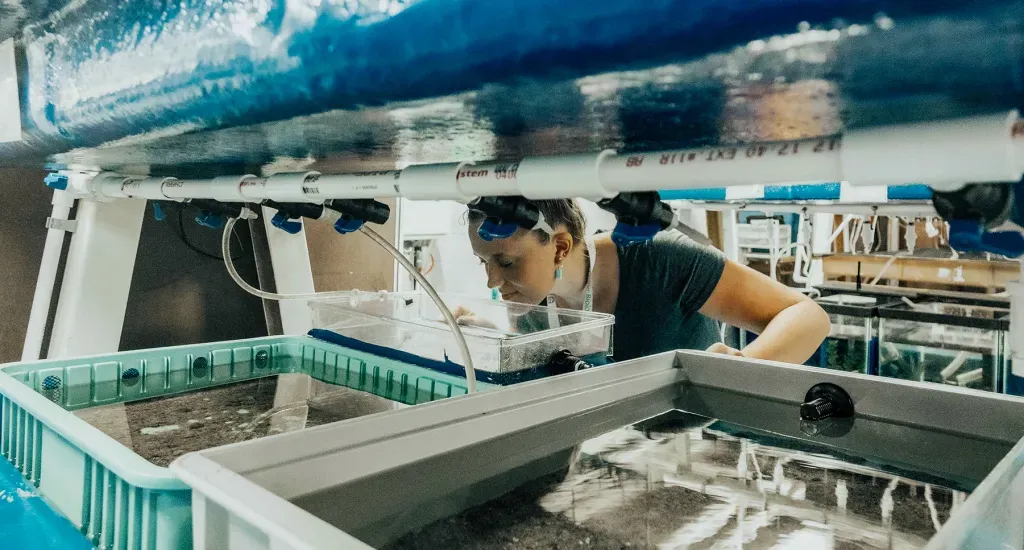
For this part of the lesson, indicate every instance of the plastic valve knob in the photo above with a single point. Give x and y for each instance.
(286, 224)
(625, 234)
(56, 181)
(824, 401)
(346, 225)
(971, 235)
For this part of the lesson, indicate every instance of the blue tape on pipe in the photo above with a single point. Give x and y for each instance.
(714, 194)
(804, 192)
(916, 191)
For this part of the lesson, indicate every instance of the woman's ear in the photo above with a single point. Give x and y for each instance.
(563, 245)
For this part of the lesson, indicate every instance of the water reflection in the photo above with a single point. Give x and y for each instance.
(682, 481)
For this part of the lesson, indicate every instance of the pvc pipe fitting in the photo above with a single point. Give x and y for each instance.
(106, 186)
(363, 185)
(944, 155)
(562, 176)
(283, 187)
(491, 179)
(110, 186)
(435, 182)
(222, 188)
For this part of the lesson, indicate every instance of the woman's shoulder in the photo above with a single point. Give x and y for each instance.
(665, 243)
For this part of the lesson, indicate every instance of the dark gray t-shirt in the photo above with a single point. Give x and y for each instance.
(662, 285)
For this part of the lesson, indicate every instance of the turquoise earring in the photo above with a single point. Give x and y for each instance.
(558, 273)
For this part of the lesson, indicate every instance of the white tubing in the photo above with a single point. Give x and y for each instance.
(839, 229)
(47, 278)
(467, 358)
(885, 267)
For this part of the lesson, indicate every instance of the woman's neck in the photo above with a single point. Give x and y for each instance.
(575, 272)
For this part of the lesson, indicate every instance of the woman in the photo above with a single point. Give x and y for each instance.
(665, 293)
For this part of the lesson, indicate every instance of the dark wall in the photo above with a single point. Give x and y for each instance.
(177, 297)
(183, 296)
(24, 206)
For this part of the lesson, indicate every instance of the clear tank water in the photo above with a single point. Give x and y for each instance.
(685, 481)
(164, 428)
(932, 352)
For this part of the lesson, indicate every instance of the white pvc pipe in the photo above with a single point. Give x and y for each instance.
(812, 160)
(970, 377)
(47, 278)
(944, 154)
(954, 365)
(365, 185)
(890, 209)
(223, 188)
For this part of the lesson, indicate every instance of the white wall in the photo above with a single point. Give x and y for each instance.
(456, 269)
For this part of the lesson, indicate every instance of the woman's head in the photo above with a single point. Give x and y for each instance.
(522, 267)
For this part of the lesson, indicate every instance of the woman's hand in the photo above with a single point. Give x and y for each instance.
(464, 316)
(719, 347)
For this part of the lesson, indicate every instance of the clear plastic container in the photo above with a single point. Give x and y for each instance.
(945, 343)
(851, 343)
(509, 342)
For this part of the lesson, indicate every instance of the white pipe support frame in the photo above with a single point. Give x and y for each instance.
(944, 155)
(421, 182)
(283, 187)
(47, 279)
(361, 185)
(222, 188)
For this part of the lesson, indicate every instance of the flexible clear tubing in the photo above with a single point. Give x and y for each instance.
(467, 359)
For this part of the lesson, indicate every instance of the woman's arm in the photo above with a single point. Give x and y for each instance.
(791, 326)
